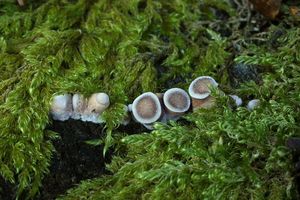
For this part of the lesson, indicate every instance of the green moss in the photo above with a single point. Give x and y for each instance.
(125, 48)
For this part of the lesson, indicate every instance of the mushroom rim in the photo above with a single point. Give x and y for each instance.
(172, 108)
(195, 95)
(157, 113)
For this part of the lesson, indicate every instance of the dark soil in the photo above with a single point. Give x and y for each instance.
(73, 161)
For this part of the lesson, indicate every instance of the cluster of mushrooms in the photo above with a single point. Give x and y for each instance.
(147, 108)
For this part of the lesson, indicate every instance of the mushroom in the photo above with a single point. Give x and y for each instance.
(177, 102)
(252, 104)
(146, 108)
(200, 92)
(61, 107)
(79, 106)
(237, 100)
(127, 118)
(96, 104)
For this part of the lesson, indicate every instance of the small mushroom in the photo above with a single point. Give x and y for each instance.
(253, 104)
(237, 100)
(96, 104)
(79, 106)
(177, 102)
(61, 107)
(200, 92)
(146, 108)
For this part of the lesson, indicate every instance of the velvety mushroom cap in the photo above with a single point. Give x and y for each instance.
(177, 100)
(146, 108)
(200, 87)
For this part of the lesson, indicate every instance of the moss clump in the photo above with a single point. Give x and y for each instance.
(125, 48)
(220, 153)
(83, 46)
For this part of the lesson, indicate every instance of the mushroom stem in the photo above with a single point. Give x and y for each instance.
(61, 107)
(206, 103)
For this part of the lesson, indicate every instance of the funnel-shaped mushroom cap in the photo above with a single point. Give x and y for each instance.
(97, 103)
(177, 100)
(146, 108)
(200, 87)
(61, 107)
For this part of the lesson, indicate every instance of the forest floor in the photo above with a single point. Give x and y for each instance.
(75, 160)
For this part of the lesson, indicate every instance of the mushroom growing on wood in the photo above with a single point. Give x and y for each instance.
(146, 108)
(61, 107)
(200, 92)
(177, 102)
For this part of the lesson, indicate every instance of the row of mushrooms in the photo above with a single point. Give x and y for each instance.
(147, 108)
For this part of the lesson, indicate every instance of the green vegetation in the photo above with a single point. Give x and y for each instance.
(124, 48)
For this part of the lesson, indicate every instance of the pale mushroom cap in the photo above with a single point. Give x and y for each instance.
(238, 101)
(177, 100)
(61, 107)
(102, 98)
(200, 87)
(252, 104)
(61, 102)
(146, 108)
(97, 103)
